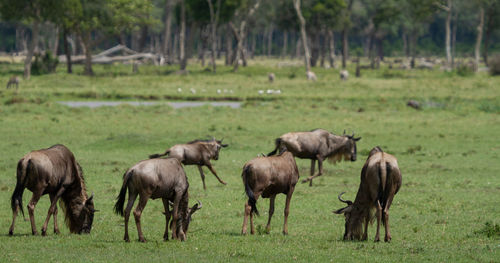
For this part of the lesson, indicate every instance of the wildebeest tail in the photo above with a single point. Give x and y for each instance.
(17, 197)
(120, 200)
(156, 155)
(251, 197)
(277, 142)
(384, 173)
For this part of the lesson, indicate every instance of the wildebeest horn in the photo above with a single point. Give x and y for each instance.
(91, 196)
(344, 132)
(199, 205)
(344, 201)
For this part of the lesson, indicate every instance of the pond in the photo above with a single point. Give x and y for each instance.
(175, 105)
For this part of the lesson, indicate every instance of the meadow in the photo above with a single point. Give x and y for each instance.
(446, 211)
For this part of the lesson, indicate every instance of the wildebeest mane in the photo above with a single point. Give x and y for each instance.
(73, 199)
(199, 140)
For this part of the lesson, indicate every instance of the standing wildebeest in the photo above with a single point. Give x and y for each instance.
(380, 181)
(157, 178)
(198, 152)
(53, 171)
(318, 145)
(269, 176)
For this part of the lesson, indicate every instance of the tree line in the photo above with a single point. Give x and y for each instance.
(320, 31)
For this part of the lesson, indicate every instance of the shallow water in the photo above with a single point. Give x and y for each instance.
(175, 105)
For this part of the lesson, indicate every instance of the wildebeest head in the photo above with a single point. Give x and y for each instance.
(87, 215)
(351, 150)
(344, 149)
(186, 219)
(216, 145)
(353, 219)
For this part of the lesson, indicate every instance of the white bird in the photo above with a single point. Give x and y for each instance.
(193, 90)
(261, 92)
(179, 90)
(218, 91)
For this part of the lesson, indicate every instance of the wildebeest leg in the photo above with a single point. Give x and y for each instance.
(14, 215)
(52, 208)
(31, 209)
(271, 212)
(167, 217)
(287, 209)
(131, 199)
(143, 200)
(56, 228)
(365, 234)
(248, 209)
(202, 176)
(313, 162)
(386, 217)
(320, 170)
(379, 217)
(175, 219)
(209, 165)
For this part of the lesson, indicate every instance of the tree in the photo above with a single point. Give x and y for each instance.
(33, 11)
(246, 12)
(448, 9)
(492, 22)
(303, 34)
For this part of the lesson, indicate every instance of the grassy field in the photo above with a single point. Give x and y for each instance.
(446, 211)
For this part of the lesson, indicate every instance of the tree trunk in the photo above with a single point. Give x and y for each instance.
(345, 48)
(285, 44)
(479, 37)
(67, 51)
(241, 35)
(454, 40)
(448, 33)
(214, 17)
(85, 40)
(405, 45)
(331, 44)
(182, 36)
(167, 31)
(298, 47)
(486, 45)
(254, 44)
(303, 35)
(31, 49)
(55, 41)
(270, 41)
(229, 46)
(315, 50)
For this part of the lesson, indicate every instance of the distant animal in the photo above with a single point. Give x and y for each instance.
(318, 144)
(380, 181)
(344, 75)
(14, 80)
(53, 171)
(157, 178)
(198, 152)
(268, 176)
(271, 77)
(311, 76)
(414, 104)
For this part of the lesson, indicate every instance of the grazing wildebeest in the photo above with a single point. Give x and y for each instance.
(344, 75)
(380, 181)
(318, 145)
(269, 176)
(198, 152)
(271, 77)
(157, 178)
(53, 171)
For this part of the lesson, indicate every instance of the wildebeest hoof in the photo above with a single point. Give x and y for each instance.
(377, 240)
(34, 233)
(222, 182)
(126, 239)
(387, 239)
(306, 180)
(142, 240)
(57, 232)
(44, 232)
(11, 233)
(285, 233)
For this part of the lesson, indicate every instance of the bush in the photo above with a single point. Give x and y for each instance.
(494, 65)
(44, 64)
(464, 70)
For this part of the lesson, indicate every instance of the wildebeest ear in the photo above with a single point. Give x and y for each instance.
(90, 198)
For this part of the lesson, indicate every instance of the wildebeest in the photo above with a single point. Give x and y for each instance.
(380, 181)
(311, 76)
(269, 176)
(271, 77)
(318, 145)
(53, 171)
(14, 80)
(157, 178)
(198, 152)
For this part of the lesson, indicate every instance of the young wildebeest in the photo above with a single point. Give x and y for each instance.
(380, 181)
(318, 145)
(53, 171)
(157, 178)
(269, 176)
(198, 152)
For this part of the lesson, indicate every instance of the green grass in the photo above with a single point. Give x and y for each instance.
(446, 211)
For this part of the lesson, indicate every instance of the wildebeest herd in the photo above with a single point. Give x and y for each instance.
(56, 172)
